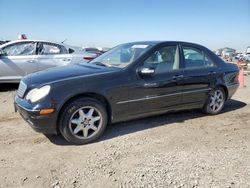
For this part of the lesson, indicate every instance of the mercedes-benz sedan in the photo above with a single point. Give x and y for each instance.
(130, 81)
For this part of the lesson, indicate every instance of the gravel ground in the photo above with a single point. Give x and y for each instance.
(185, 149)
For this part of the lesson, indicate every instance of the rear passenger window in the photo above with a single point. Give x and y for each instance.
(195, 58)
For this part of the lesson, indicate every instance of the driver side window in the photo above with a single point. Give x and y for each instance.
(44, 48)
(163, 60)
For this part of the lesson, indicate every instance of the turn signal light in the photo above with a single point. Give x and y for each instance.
(46, 111)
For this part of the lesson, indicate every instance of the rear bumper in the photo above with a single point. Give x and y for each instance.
(232, 89)
(41, 123)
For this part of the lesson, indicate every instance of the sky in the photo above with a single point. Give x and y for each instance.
(212, 23)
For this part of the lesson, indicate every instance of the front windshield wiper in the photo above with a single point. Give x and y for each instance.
(100, 63)
(105, 64)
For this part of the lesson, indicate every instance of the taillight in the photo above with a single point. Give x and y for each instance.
(236, 78)
(88, 58)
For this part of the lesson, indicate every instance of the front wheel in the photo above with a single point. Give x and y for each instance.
(215, 102)
(83, 121)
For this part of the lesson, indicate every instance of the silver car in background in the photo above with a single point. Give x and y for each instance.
(22, 57)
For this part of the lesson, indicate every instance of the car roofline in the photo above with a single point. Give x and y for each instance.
(155, 42)
(30, 40)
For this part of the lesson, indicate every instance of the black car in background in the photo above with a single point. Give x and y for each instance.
(130, 81)
(3, 41)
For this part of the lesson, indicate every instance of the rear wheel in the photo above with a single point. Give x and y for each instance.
(215, 102)
(83, 121)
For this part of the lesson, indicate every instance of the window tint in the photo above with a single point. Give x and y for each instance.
(195, 58)
(50, 49)
(71, 51)
(163, 60)
(22, 48)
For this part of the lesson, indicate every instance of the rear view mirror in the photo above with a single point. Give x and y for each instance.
(146, 72)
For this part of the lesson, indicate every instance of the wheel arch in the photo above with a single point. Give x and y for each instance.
(96, 96)
(224, 88)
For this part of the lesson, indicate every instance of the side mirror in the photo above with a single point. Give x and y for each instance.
(146, 72)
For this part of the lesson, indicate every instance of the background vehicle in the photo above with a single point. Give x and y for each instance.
(93, 50)
(129, 81)
(3, 41)
(239, 56)
(22, 57)
(228, 53)
(248, 50)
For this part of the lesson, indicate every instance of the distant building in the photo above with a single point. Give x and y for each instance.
(248, 50)
(226, 52)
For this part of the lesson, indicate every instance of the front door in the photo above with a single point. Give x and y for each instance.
(160, 90)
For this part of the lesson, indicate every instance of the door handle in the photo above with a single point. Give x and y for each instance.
(177, 77)
(150, 85)
(212, 73)
(30, 61)
(66, 59)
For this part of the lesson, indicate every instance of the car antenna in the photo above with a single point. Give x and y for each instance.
(64, 41)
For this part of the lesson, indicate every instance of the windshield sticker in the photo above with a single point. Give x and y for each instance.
(140, 46)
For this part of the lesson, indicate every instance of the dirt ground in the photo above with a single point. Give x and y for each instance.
(185, 149)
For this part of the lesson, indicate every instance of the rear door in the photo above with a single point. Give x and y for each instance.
(163, 89)
(200, 75)
(52, 55)
(18, 60)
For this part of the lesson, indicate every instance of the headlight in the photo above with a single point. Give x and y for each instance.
(38, 93)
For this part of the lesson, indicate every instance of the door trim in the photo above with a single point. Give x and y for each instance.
(160, 96)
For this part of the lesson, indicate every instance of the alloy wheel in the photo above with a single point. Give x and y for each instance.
(85, 122)
(216, 101)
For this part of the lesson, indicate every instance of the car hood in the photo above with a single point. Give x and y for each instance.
(65, 72)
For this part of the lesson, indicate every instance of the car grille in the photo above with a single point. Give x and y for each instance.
(21, 89)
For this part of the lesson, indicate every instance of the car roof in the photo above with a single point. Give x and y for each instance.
(29, 40)
(153, 43)
(35, 40)
(163, 42)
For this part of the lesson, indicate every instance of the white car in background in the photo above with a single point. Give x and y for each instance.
(22, 57)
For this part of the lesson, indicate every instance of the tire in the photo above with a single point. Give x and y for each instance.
(83, 121)
(215, 102)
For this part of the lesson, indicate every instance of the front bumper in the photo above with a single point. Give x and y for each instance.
(41, 123)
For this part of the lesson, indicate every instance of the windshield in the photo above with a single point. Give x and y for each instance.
(122, 55)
